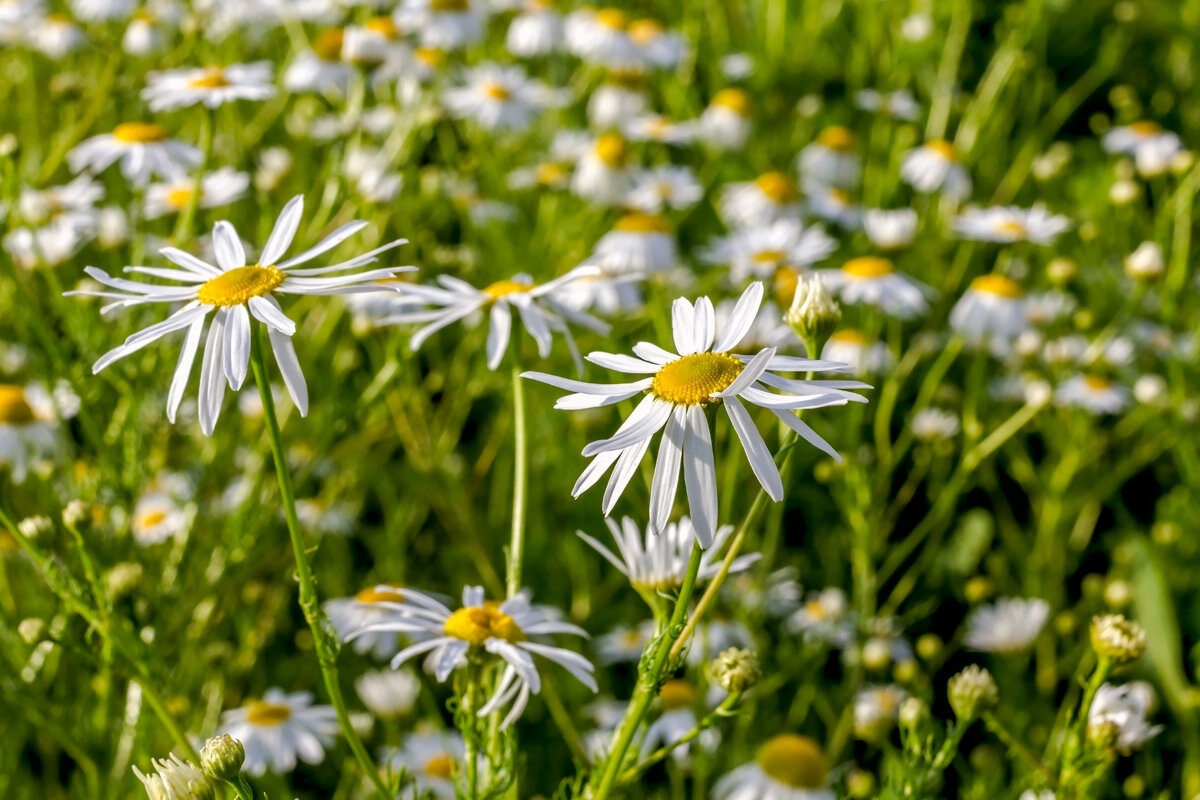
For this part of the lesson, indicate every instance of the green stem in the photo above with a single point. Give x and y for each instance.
(1016, 746)
(323, 643)
(516, 548)
(725, 709)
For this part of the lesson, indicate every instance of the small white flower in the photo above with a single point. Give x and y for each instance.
(496, 97)
(279, 728)
(388, 693)
(218, 188)
(874, 281)
(442, 24)
(349, 615)
(1146, 262)
(769, 197)
(638, 245)
(726, 122)
(212, 86)
(1093, 393)
(143, 150)
(1009, 625)
(899, 104)
(786, 767)
(603, 174)
(991, 311)
(537, 31)
(850, 346)
(26, 427)
(623, 644)
(825, 617)
(1151, 147)
(432, 759)
(833, 159)
(934, 167)
(758, 252)
(664, 187)
(1126, 708)
(1007, 224)
(933, 424)
(890, 229)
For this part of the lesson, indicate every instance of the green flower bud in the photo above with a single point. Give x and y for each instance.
(1117, 639)
(735, 670)
(814, 314)
(971, 691)
(222, 757)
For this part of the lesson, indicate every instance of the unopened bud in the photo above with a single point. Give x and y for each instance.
(814, 314)
(76, 514)
(35, 527)
(735, 670)
(913, 713)
(1117, 639)
(1145, 263)
(1061, 270)
(222, 757)
(30, 630)
(971, 691)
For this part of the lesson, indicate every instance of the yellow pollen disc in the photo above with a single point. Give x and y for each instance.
(139, 132)
(179, 197)
(631, 638)
(944, 149)
(794, 761)
(151, 518)
(612, 149)
(642, 223)
(476, 625)
(1145, 128)
(213, 78)
(142, 15)
(626, 79)
(816, 610)
(840, 196)
(430, 56)
(549, 173)
(236, 286)
(839, 138)
(769, 256)
(676, 694)
(14, 408)
(998, 285)
(644, 31)
(688, 381)
(266, 714)
(372, 594)
(504, 288)
(440, 766)
(785, 282)
(849, 336)
(777, 187)
(328, 44)
(448, 5)
(495, 91)
(59, 19)
(1011, 228)
(735, 100)
(867, 267)
(613, 18)
(384, 26)
(1096, 383)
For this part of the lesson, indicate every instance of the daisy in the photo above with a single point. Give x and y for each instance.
(349, 614)
(601, 36)
(833, 159)
(388, 693)
(832, 204)
(935, 424)
(280, 727)
(1151, 147)
(638, 245)
(768, 197)
(621, 97)
(174, 778)
(1007, 224)
(1007, 626)
(679, 389)
(540, 312)
(26, 427)
(658, 128)
(218, 188)
(657, 46)
(934, 167)
(376, 41)
(536, 31)
(786, 767)
(1093, 393)
(322, 69)
(890, 229)
(496, 97)
(874, 281)
(759, 252)
(480, 628)
(212, 86)
(234, 291)
(442, 24)
(663, 187)
(142, 148)
(677, 699)
(899, 104)
(623, 644)
(850, 346)
(726, 122)
(991, 310)
(157, 517)
(876, 709)
(431, 759)
(825, 617)
(602, 174)
(54, 35)
(1125, 708)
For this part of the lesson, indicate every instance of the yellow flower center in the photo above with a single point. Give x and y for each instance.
(690, 380)
(1145, 128)
(613, 18)
(777, 187)
(14, 408)
(998, 285)
(328, 44)
(384, 26)
(504, 288)
(213, 78)
(816, 610)
(632, 638)
(944, 149)
(1096, 383)
(148, 519)
(140, 132)
(448, 5)
(868, 267)
(430, 56)
(612, 149)
(495, 91)
(676, 694)
(785, 282)
(549, 173)
(372, 594)
(794, 761)
(236, 286)
(644, 31)
(735, 100)
(476, 625)
(625, 79)
(839, 196)
(642, 223)
(769, 257)
(440, 766)
(837, 137)
(179, 196)
(1010, 227)
(849, 336)
(267, 714)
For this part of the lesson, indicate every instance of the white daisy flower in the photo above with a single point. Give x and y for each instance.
(350, 614)
(102, 10)
(890, 229)
(658, 128)
(934, 167)
(1125, 708)
(1009, 625)
(26, 427)
(142, 148)
(480, 628)
(173, 779)
(992, 310)
(1007, 224)
(638, 245)
(279, 728)
(899, 104)
(824, 617)
(935, 424)
(874, 281)
(431, 759)
(376, 41)
(680, 388)
(157, 517)
(603, 174)
(496, 97)
(542, 315)
(388, 693)
(1151, 147)
(1146, 262)
(54, 35)
(234, 291)
(621, 97)
(212, 86)
(323, 69)
(623, 644)
(442, 24)
(1044, 308)
(218, 188)
(726, 122)
(537, 31)
(759, 252)
(1093, 393)
(601, 36)
(657, 46)
(768, 197)
(737, 66)
(786, 767)
(832, 159)
(678, 699)
(664, 187)
(833, 204)
(876, 709)
(850, 346)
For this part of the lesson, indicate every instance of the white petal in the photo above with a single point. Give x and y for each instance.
(289, 367)
(741, 318)
(601, 389)
(622, 363)
(807, 433)
(227, 247)
(237, 349)
(700, 476)
(683, 317)
(212, 387)
(183, 368)
(646, 420)
(626, 468)
(283, 232)
(756, 449)
(189, 262)
(705, 323)
(498, 333)
(750, 373)
(268, 312)
(653, 353)
(594, 472)
(666, 470)
(328, 243)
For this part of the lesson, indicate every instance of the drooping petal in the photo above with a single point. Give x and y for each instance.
(183, 368)
(328, 243)
(212, 387)
(683, 316)
(498, 333)
(700, 476)
(666, 470)
(756, 449)
(289, 368)
(237, 350)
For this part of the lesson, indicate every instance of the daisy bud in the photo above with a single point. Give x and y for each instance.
(1103, 734)
(971, 691)
(814, 315)
(76, 514)
(913, 713)
(35, 527)
(173, 779)
(1061, 270)
(860, 784)
(1145, 263)
(1117, 593)
(8, 145)
(876, 654)
(222, 757)
(1123, 192)
(1117, 639)
(30, 630)
(929, 645)
(736, 670)
(123, 579)
(1150, 390)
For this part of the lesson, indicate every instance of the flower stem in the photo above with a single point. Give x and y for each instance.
(323, 642)
(516, 548)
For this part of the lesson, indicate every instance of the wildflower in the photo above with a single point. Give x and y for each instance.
(349, 615)
(850, 346)
(1095, 394)
(934, 167)
(536, 31)
(234, 291)
(833, 159)
(35, 527)
(601, 36)
(657, 46)
(55, 35)
(1007, 626)
(322, 69)
(222, 757)
(496, 97)
(680, 388)
(623, 644)
(638, 245)
(769, 197)
(1117, 639)
(813, 314)
(603, 174)
(890, 229)
(726, 123)
(899, 104)
(1145, 263)
(442, 24)
(876, 710)
(432, 759)
(26, 427)
(173, 779)
(213, 86)
(935, 424)
(759, 251)
(280, 727)
(971, 691)
(662, 187)
(767, 330)
(157, 517)
(486, 630)
(678, 699)
(622, 96)
(388, 693)
(833, 204)
(1007, 224)
(218, 188)
(735, 670)
(992, 310)
(786, 766)
(1119, 714)
(1152, 147)
(142, 148)
(874, 281)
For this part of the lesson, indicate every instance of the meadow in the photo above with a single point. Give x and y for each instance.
(755, 400)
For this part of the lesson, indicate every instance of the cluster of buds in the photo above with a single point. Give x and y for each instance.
(972, 691)
(1117, 640)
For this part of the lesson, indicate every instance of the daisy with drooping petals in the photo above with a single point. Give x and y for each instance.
(26, 427)
(601, 36)
(1127, 708)
(768, 197)
(657, 46)
(388, 693)
(679, 389)
(235, 291)
(348, 614)
(875, 282)
(212, 86)
(1093, 393)
(442, 24)
(638, 245)
(1152, 147)
(678, 699)
(480, 628)
(536, 31)
(1009, 625)
(934, 167)
(1007, 224)
(759, 252)
(992, 310)
(603, 174)
(833, 159)
(323, 69)
(541, 313)
(142, 148)
(620, 98)
(280, 727)
(786, 767)
(218, 188)
(663, 187)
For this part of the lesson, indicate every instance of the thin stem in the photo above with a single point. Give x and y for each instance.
(725, 709)
(516, 548)
(326, 648)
